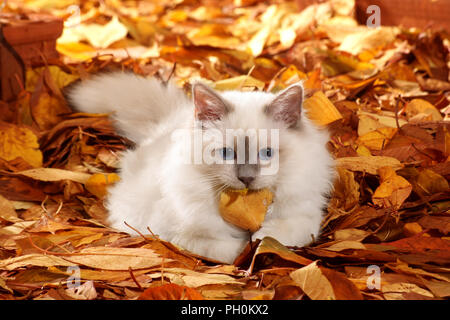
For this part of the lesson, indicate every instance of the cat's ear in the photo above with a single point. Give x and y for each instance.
(287, 105)
(209, 106)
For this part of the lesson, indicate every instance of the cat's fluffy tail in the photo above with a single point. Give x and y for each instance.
(133, 102)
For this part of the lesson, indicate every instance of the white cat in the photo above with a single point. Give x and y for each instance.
(178, 200)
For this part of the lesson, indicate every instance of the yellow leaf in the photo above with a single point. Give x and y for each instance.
(346, 244)
(346, 190)
(272, 246)
(54, 174)
(412, 228)
(16, 228)
(321, 110)
(289, 76)
(363, 151)
(378, 139)
(257, 42)
(392, 191)
(431, 182)
(213, 35)
(313, 282)
(239, 83)
(395, 291)
(370, 121)
(97, 184)
(60, 77)
(417, 106)
(368, 164)
(351, 234)
(367, 39)
(94, 257)
(76, 51)
(47, 111)
(99, 36)
(367, 124)
(18, 141)
(7, 211)
(245, 209)
(142, 29)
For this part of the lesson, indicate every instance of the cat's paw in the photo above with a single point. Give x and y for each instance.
(223, 250)
(290, 232)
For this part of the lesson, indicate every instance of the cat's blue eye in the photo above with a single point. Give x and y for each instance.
(227, 153)
(265, 153)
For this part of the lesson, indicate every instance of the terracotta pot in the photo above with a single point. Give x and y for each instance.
(25, 41)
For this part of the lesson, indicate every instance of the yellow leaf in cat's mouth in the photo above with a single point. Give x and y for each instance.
(245, 208)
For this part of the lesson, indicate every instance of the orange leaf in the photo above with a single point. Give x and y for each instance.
(98, 183)
(18, 141)
(393, 190)
(321, 110)
(170, 291)
(419, 243)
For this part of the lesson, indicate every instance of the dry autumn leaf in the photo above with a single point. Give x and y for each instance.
(97, 183)
(53, 174)
(245, 208)
(321, 110)
(19, 141)
(369, 164)
(377, 139)
(313, 282)
(346, 190)
(420, 106)
(381, 92)
(7, 211)
(171, 292)
(270, 245)
(393, 190)
(99, 36)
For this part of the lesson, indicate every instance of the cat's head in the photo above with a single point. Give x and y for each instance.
(248, 137)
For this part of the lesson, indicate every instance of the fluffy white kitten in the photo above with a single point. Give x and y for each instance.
(179, 201)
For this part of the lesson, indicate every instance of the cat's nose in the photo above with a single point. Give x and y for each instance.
(246, 180)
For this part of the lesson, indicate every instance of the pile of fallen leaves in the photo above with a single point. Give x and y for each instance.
(383, 93)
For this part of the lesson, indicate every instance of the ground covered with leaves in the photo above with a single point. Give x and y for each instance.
(383, 93)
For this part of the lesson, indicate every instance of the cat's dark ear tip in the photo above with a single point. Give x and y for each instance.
(198, 84)
(297, 86)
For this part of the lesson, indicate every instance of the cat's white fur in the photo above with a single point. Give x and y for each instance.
(179, 202)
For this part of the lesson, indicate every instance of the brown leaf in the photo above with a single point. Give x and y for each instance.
(419, 243)
(17, 189)
(431, 182)
(321, 110)
(19, 141)
(343, 288)
(417, 106)
(346, 190)
(48, 110)
(170, 291)
(7, 211)
(271, 245)
(313, 282)
(369, 164)
(97, 183)
(53, 174)
(398, 291)
(436, 222)
(393, 190)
